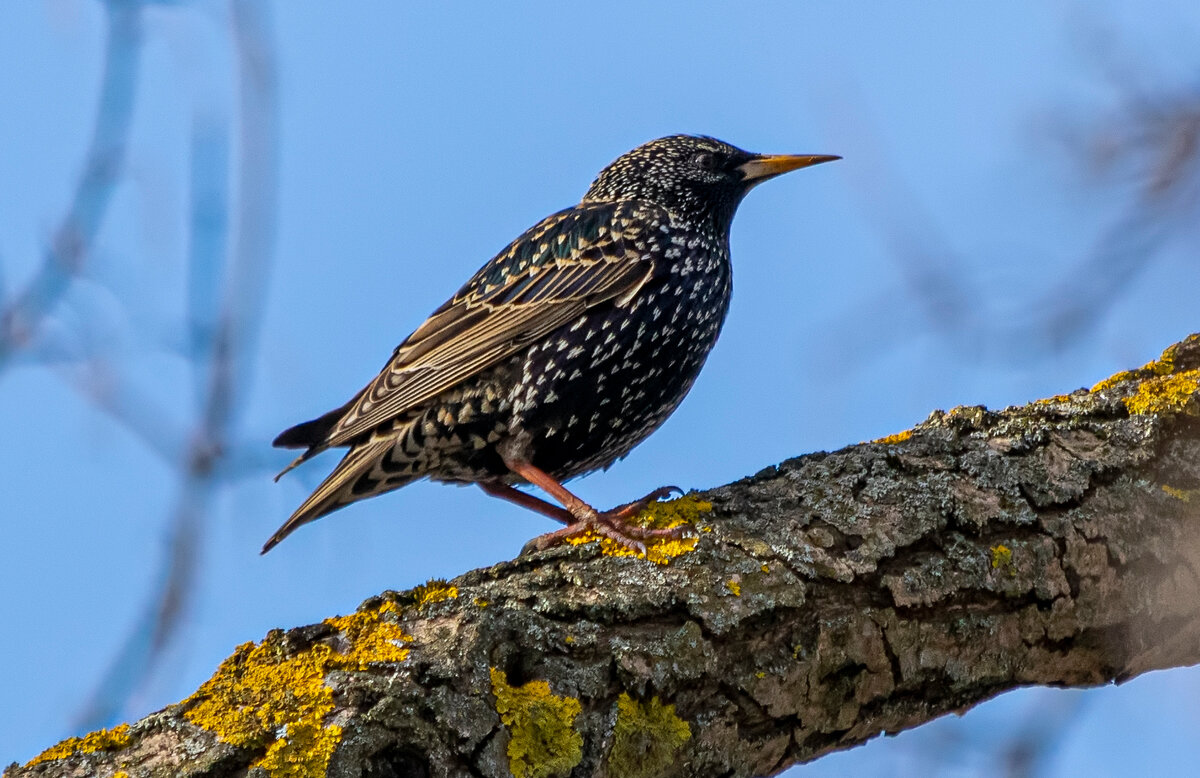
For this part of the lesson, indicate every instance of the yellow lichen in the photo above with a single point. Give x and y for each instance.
(1119, 378)
(1160, 389)
(734, 587)
(542, 740)
(765, 568)
(1002, 559)
(372, 639)
(101, 740)
(658, 515)
(262, 696)
(1165, 393)
(304, 746)
(899, 437)
(647, 738)
(434, 590)
(480, 602)
(1184, 495)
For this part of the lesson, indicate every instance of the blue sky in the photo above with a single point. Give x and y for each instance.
(416, 142)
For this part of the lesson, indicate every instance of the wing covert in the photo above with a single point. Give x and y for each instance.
(569, 262)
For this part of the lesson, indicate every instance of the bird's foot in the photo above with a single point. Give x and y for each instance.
(615, 525)
(631, 509)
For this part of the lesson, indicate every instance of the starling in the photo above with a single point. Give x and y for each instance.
(562, 353)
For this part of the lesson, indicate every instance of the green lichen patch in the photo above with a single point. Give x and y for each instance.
(542, 740)
(658, 515)
(113, 739)
(646, 738)
(264, 697)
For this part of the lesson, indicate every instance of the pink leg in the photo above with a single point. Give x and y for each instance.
(613, 524)
(506, 492)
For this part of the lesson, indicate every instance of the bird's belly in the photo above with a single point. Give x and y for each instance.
(601, 385)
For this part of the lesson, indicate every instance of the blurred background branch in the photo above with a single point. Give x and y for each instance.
(1144, 154)
(21, 317)
(226, 284)
(225, 300)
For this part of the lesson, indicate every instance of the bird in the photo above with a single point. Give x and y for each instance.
(562, 353)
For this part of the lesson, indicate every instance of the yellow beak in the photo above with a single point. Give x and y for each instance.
(770, 165)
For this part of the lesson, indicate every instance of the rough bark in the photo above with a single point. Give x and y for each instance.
(828, 599)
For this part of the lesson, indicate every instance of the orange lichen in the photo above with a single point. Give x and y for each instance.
(1113, 380)
(658, 515)
(892, 440)
(264, 697)
(542, 740)
(1165, 394)
(101, 740)
(734, 588)
(1161, 387)
(1055, 400)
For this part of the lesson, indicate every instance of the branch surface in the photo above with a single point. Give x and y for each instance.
(826, 600)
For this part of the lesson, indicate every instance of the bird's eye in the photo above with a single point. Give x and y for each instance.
(705, 161)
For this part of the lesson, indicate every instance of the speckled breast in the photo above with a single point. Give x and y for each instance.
(597, 387)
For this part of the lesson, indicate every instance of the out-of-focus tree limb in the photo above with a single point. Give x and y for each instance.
(72, 240)
(225, 303)
(828, 599)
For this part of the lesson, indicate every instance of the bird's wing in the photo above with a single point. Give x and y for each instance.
(568, 263)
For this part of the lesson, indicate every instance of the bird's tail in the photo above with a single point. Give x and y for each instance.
(312, 435)
(357, 476)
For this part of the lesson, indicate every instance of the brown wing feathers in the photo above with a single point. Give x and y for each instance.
(485, 322)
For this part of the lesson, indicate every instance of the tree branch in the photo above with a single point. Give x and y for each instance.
(828, 599)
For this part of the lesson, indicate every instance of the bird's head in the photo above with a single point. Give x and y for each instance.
(692, 175)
